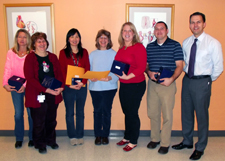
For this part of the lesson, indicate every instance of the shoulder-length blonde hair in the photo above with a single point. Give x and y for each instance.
(136, 38)
(16, 45)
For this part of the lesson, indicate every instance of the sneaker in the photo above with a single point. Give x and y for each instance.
(73, 141)
(80, 141)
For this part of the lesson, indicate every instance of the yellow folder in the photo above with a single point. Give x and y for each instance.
(73, 72)
(94, 74)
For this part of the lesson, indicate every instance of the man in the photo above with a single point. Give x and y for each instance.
(166, 53)
(196, 88)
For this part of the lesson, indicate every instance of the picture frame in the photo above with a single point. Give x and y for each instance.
(34, 17)
(145, 16)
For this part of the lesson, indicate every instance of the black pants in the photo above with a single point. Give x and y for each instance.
(130, 98)
(102, 102)
(44, 122)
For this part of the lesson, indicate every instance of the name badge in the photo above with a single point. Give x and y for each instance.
(41, 98)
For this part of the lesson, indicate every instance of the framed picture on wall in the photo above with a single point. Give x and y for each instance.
(145, 16)
(37, 17)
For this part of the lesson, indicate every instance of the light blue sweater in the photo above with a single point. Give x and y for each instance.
(101, 60)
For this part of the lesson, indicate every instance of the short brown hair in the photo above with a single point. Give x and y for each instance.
(106, 33)
(38, 35)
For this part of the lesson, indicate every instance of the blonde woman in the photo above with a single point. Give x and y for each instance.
(14, 66)
(132, 85)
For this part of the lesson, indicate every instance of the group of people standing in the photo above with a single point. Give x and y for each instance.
(201, 54)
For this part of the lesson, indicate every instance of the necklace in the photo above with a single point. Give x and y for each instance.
(21, 54)
(127, 46)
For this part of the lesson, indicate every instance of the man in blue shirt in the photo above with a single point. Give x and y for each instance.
(166, 53)
(201, 69)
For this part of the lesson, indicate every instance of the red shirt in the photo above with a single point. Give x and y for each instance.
(34, 87)
(83, 62)
(136, 57)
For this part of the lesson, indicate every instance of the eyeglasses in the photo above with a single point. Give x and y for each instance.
(103, 37)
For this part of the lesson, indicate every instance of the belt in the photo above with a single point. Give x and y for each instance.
(198, 76)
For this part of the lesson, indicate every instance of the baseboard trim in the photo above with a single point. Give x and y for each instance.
(116, 133)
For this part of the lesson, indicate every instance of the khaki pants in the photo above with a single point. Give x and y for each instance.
(161, 99)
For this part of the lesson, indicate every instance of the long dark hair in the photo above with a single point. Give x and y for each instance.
(68, 48)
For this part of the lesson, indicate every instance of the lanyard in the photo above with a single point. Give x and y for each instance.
(76, 64)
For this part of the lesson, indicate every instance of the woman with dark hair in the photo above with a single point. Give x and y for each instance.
(43, 101)
(132, 85)
(74, 54)
(14, 67)
(102, 91)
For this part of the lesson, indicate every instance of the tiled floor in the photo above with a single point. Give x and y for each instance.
(215, 151)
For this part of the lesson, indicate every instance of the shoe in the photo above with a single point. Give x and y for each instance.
(42, 150)
(163, 150)
(31, 143)
(182, 146)
(128, 148)
(196, 155)
(152, 145)
(98, 140)
(80, 141)
(18, 144)
(105, 140)
(54, 146)
(73, 141)
(122, 142)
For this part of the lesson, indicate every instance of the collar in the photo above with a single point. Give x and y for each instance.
(200, 38)
(166, 41)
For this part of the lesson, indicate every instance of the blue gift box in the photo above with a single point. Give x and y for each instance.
(119, 67)
(163, 73)
(16, 81)
(74, 81)
(51, 82)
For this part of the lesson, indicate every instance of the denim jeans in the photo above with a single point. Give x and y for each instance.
(18, 102)
(102, 102)
(71, 96)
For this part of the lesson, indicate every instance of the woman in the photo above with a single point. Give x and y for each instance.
(74, 54)
(132, 85)
(43, 101)
(102, 91)
(14, 66)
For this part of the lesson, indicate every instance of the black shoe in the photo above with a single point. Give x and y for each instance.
(42, 150)
(54, 146)
(18, 144)
(30, 143)
(196, 155)
(152, 145)
(98, 141)
(163, 150)
(182, 146)
(105, 140)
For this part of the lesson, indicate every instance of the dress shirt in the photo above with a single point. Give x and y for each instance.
(209, 56)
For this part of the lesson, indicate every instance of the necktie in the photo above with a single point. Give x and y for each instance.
(192, 59)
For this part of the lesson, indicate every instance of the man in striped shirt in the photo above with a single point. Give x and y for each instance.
(166, 53)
